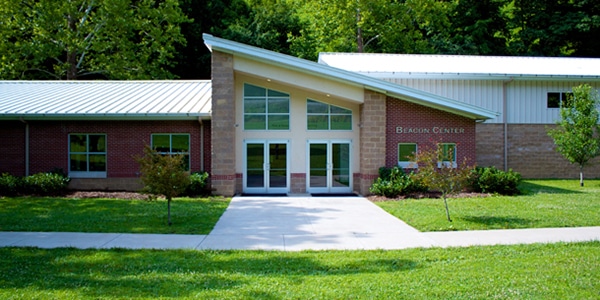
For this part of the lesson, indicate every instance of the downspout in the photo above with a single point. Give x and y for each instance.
(201, 144)
(505, 121)
(26, 146)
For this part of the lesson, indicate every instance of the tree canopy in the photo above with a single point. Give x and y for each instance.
(577, 137)
(161, 39)
(108, 39)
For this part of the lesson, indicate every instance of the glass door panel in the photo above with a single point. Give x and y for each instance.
(255, 165)
(318, 165)
(277, 165)
(341, 165)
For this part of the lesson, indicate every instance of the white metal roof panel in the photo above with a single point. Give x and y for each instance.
(186, 99)
(415, 65)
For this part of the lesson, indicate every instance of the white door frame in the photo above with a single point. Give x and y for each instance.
(266, 167)
(329, 188)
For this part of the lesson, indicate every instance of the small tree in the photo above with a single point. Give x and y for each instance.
(439, 172)
(577, 137)
(163, 175)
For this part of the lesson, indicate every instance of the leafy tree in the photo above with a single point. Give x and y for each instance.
(577, 137)
(438, 172)
(163, 175)
(114, 39)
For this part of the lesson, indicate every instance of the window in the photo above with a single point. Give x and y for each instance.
(265, 109)
(87, 155)
(557, 100)
(448, 154)
(405, 152)
(173, 144)
(322, 116)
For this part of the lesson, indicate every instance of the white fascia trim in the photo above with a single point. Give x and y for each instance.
(477, 76)
(348, 77)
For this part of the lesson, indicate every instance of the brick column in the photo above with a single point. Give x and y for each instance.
(223, 125)
(372, 139)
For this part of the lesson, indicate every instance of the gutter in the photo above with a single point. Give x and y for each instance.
(505, 120)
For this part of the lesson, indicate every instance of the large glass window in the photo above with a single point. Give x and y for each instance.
(265, 109)
(405, 152)
(87, 155)
(173, 144)
(322, 116)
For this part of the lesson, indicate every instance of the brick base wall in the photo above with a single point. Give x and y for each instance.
(12, 148)
(531, 152)
(298, 183)
(102, 184)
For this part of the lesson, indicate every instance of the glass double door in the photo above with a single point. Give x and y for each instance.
(329, 167)
(266, 169)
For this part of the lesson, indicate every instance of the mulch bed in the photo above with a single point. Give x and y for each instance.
(109, 195)
(429, 195)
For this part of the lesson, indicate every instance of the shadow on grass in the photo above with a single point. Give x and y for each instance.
(150, 273)
(499, 222)
(530, 188)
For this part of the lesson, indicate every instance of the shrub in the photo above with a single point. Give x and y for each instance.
(198, 184)
(46, 184)
(393, 182)
(10, 185)
(492, 180)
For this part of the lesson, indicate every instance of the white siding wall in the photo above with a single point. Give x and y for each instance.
(526, 100)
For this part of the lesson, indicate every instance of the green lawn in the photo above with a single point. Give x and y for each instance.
(544, 203)
(552, 271)
(189, 216)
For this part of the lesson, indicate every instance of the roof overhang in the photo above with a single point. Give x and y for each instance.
(347, 77)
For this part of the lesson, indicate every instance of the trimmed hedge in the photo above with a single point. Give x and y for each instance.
(494, 181)
(42, 184)
(394, 182)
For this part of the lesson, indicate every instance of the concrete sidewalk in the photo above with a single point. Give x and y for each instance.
(302, 223)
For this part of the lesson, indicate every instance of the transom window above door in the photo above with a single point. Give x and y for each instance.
(265, 109)
(322, 116)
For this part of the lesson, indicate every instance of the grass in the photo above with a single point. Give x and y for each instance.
(542, 271)
(189, 216)
(544, 203)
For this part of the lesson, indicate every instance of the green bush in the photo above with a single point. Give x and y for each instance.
(492, 180)
(45, 184)
(393, 182)
(198, 184)
(10, 185)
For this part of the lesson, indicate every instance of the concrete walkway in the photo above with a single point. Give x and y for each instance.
(302, 223)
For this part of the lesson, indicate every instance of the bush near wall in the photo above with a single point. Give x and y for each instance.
(494, 181)
(41, 184)
(394, 182)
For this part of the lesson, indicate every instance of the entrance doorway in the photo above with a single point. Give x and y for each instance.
(329, 167)
(266, 168)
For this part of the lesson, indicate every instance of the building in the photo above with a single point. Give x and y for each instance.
(526, 91)
(272, 123)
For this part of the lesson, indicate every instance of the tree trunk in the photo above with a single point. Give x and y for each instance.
(447, 210)
(581, 176)
(169, 210)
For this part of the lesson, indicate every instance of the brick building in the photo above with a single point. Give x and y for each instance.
(270, 123)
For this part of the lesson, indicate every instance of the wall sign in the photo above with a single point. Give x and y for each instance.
(427, 130)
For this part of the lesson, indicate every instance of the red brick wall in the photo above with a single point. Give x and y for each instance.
(412, 116)
(12, 147)
(49, 143)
